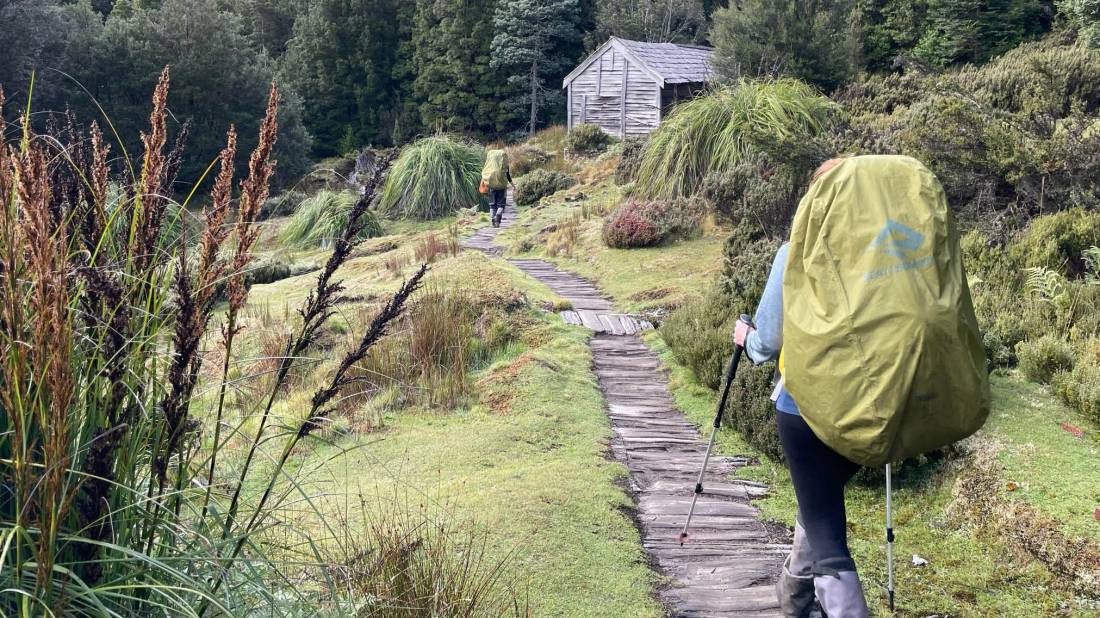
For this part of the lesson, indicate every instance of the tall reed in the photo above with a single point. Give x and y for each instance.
(107, 505)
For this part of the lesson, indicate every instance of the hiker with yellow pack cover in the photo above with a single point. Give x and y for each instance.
(868, 311)
(495, 178)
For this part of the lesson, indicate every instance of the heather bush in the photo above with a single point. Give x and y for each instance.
(1042, 358)
(630, 226)
(642, 224)
(1039, 79)
(540, 183)
(759, 191)
(587, 140)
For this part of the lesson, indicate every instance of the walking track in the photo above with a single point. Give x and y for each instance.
(728, 566)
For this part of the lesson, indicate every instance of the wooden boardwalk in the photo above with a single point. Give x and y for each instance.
(729, 564)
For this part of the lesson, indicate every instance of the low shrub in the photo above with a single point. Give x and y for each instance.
(1044, 357)
(642, 224)
(626, 171)
(539, 184)
(1058, 241)
(282, 205)
(323, 217)
(1080, 387)
(587, 140)
(432, 178)
(526, 158)
(439, 344)
(699, 335)
(408, 561)
(759, 189)
(563, 240)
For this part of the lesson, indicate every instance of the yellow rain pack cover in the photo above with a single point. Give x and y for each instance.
(496, 162)
(881, 347)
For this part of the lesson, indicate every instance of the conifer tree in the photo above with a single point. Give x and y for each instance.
(343, 60)
(536, 43)
(454, 81)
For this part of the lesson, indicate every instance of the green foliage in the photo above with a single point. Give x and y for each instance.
(643, 224)
(716, 132)
(1085, 15)
(526, 158)
(959, 31)
(1040, 359)
(758, 191)
(587, 140)
(345, 59)
(432, 178)
(453, 81)
(1059, 241)
(1080, 388)
(1039, 79)
(812, 41)
(677, 21)
(323, 217)
(88, 65)
(1011, 136)
(626, 171)
(699, 335)
(890, 29)
(539, 184)
(535, 44)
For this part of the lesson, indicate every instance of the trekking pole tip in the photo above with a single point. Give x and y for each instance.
(683, 537)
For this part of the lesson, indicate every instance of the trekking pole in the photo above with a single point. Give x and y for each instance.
(889, 539)
(714, 429)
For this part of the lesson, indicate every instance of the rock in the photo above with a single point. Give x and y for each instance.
(919, 562)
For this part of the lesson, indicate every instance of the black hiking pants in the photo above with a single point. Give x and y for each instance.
(819, 475)
(498, 199)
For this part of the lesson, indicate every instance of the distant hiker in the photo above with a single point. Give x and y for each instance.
(868, 312)
(495, 178)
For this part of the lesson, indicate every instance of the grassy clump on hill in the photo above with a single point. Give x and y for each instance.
(539, 184)
(715, 132)
(319, 219)
(432, 178)
(587, 140)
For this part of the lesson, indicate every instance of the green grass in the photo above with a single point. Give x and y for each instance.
(535, 476)
(1056, 471)
(524, 460)
(637, 279)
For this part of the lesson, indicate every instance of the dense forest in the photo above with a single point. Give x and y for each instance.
(381, 72)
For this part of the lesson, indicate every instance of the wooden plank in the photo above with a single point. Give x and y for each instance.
(622, 104)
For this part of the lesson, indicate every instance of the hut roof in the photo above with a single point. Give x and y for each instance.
(667, 63)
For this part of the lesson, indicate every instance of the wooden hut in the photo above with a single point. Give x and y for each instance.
(626, 87)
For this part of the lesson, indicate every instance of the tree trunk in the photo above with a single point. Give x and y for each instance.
(534, 98)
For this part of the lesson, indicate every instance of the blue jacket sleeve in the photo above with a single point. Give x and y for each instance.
(764, 343)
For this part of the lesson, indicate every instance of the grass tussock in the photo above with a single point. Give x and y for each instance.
(442, 339)
(403, 561)
(320, 219)
(432, 178)
(715, 132)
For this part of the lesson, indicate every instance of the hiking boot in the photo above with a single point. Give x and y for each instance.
(795, 593)
(795, 587)
(841, 595)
